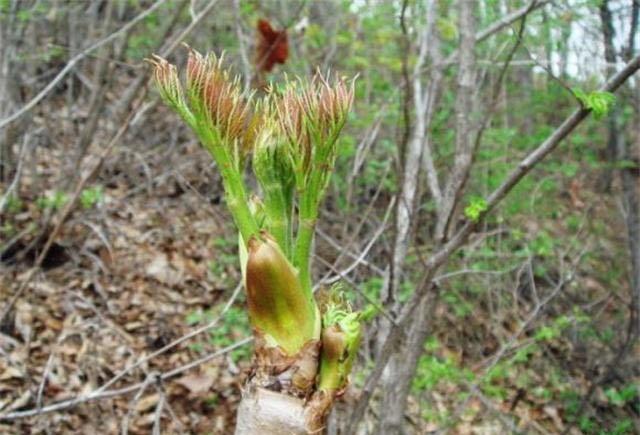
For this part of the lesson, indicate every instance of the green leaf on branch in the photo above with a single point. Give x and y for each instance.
(476, 207)
(599, 102)
(447, 29)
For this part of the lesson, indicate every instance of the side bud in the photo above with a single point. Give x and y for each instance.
(341, 334)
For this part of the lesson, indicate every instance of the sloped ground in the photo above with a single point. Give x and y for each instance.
(152, 257)
(119, 285)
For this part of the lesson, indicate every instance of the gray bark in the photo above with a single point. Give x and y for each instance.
(463, 124)
(617, 150)
(402, 365)
(8, 88)
(396, 335)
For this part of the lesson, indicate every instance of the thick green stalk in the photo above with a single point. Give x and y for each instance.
(329, 376)
(236, 196)
(276, 211)
(310, 196)
(307, 216)
(302, 254)
(238, 204)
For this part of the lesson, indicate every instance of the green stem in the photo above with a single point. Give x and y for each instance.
(239, 205)
(278, 216)
(236, 196)
(329, 377)
(302, 254)
(309, 196)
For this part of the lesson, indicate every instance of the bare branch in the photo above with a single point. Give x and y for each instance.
(65, 213)
(502, 23)
(77, 58)
(463, 122)
(425, 287)
(99, 395)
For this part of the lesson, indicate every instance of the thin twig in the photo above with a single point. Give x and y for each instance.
(360, 259)
(64, 215)
(174, 343)
(151, 377)
(397, 333)
(77, 58)
(70, 403)
(14, 183)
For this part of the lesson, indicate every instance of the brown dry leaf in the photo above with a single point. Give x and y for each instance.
(147, 402)
(553, 413)
(106, 257)
(592, 285)
(24, 320)
(188, 267)
(20, 401)
(163, 272)
(52, 323)
(575, 193)
(197, 383)
(11, 373)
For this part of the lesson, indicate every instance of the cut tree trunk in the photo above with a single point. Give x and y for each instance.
(267, 412)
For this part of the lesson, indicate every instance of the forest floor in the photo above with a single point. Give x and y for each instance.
(146, 257)
(146, 263)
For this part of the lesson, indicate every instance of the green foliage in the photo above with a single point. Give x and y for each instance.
(624, 427)
(447, 28)
(477, 205)
(53, 201)
(371, 289)
(461, 306)
(620, 397)
(542, 244)
(231, 327)
(433, 370)
(341, 334)
(599, 102)
(13, 204)
(91, 196)
(225, 261)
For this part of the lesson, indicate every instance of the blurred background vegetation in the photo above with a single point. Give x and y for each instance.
(113, 241)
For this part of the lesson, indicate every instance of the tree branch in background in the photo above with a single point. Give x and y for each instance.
(73, 201)
(633, 29)
(464, 121)
(422, 98)
(99, 395)
(77, 58)
(425, 287)
(618, 152)
(502, 23)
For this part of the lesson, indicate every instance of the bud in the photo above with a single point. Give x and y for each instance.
(168, 83)
(278, 308)
(313, 114)
(218, 99)
(340, 340)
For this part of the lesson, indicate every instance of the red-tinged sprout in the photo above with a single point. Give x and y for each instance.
(312, 114)
(218, 98)
(166, 78)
